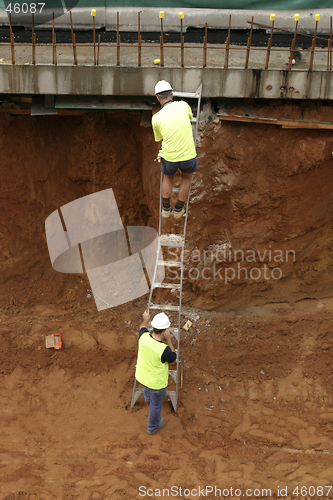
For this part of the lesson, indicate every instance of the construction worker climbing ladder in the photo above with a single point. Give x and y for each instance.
(172, 125)
(174, 241)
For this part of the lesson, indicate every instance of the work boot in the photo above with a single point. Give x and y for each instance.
(162, 422)
(179, 213)
(166, 212)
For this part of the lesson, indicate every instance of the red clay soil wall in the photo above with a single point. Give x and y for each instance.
(258, 188)
(255, 406)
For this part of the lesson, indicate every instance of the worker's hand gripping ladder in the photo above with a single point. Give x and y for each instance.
(174, 241)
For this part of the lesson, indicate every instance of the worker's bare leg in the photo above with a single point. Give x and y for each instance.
(184, 186)
(167, 185)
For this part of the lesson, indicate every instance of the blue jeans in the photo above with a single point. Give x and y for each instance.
(156, 400)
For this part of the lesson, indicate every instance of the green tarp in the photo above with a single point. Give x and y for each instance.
(294, 5)
(220, 4)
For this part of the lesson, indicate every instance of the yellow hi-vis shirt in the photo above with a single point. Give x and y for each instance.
(171, 124)
(150, 371)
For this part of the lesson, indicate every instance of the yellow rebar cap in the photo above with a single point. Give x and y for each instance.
(296, 17)
(317, 17)
(157, 61)
(93, 12)
(181, 15)
(161, 14)
(272, 17)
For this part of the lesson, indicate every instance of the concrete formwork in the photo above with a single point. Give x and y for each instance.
(106, 80)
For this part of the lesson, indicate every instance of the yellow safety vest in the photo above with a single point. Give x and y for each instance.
(150, 371)
(172, 125)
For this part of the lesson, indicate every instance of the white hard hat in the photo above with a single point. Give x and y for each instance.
(160, 321)
(162, 86)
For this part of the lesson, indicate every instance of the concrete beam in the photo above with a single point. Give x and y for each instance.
(130, 81)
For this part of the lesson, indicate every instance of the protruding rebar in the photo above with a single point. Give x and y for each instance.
(272, 18)
(248, 48)
(205, 48)
(99, 45)
(118, 41)
(55, 49)
(329, 48)
(93, 13)
(293, 43)
(226, 57)
(12, 39)
(73, 40)
(317, 18)
(182, 40)
(33, 38)
(75, 53)
(139, 39)
(161, 15)
(54, 46)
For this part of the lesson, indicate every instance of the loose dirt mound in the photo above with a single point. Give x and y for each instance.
(255, 410)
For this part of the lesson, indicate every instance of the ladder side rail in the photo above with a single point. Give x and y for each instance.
(198, 114)
(154, 273)
(186, 216)
(173, 394)
(179, 317)
(160, 212)
(133, 393)
(158, 245)
(193, 95)
(198, 95)
(136, 393)
(189, 95)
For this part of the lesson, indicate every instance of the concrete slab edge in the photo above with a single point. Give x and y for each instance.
(129, 81)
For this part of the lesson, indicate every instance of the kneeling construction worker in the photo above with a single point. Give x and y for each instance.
(152, 367)
(172, 125)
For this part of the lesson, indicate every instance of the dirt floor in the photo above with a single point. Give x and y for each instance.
(255, 413)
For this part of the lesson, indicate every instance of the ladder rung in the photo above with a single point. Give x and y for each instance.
(172, 243)
(175, 286)
(169, 263)
(187, 94)
(163, 307)
(175, 333)
(171, 237)
(194, 120)
(171, 240)
(175, 190)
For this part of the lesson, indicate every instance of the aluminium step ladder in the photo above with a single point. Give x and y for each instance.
(171, 241)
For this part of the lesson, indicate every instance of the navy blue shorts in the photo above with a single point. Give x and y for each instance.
(171, 167)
